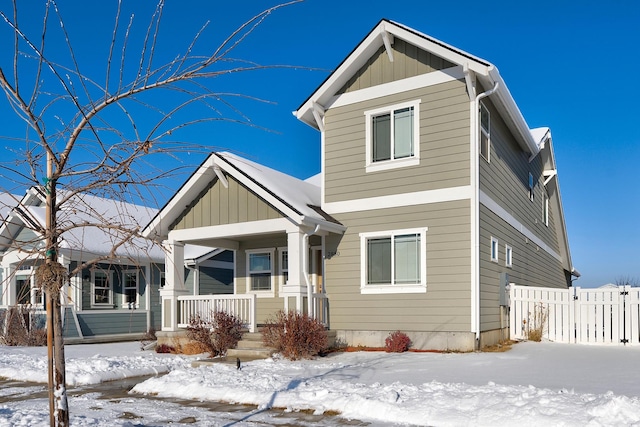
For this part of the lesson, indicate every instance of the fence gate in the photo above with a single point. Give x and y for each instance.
(608, 315)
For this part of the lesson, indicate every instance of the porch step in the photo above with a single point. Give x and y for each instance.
(250, 347)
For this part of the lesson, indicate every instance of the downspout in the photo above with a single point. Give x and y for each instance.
(475, 223)
(305, 269)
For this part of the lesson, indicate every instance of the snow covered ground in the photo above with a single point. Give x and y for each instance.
(532, 384)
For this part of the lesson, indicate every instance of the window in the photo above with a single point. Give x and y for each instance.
(101, 287)
(485, 132)
(260, 268)
(393, 261)
(27, 292)
(545, 210)
(130, 288)
(531, 186)
(508, 256)
(494, 249)
(284, 266)
(392, 136)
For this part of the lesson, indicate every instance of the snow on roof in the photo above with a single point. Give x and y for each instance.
(299, 195)
(539, 134)
(315, 179)
(7, 202)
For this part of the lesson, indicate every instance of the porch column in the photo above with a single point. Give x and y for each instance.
(174, 284)
(296, 286)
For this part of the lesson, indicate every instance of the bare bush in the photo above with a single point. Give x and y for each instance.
(218, 335)
(295, 335)
(23, 326)
(536, 322)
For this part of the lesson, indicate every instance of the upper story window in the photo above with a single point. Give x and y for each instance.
(531, 186)
(393, 261)
(392, 136)
(485, 132)
(494, 249)
(545, 210)
(508, 256)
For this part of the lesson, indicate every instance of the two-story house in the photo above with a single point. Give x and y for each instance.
(433, 195)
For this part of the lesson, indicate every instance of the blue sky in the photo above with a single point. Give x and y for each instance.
(565, 63)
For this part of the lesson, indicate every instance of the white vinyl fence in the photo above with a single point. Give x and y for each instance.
(608, 315)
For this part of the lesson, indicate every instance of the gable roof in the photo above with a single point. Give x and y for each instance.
(325, 95)
(296, 199)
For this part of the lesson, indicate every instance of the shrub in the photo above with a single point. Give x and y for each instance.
(216, 336)
(397, 342)
(295, 335)
(21, 326)
(165, 348)
(535, 326)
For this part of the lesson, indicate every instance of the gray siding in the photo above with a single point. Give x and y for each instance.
(112, 322)
(444, 146)
(506, 180)
(532, 266)
(69, 330)
(217, 205)
(446, 304)
(408, 61)
(216, 281)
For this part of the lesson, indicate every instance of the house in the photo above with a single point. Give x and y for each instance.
(115, 296)
(434, 195)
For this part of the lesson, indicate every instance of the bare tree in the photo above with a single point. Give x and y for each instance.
(102, 134)
(627, 281)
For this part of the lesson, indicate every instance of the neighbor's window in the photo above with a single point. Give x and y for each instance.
(508, 256)
(494, 249)
(485, 132)
(392, 136)
(130, 288)
(101, 287)
(393, 261)
(260, 268)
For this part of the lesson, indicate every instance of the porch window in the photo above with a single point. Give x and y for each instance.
(394, 261)
(284, 266)
(130, 288)
(260, 268)
(101, 287)
(392, 136)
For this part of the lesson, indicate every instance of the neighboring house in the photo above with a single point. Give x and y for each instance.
(115, 298)
(433, 196)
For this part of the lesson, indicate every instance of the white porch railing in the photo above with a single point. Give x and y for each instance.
(576, 315)
(241, 306)
(320, 308)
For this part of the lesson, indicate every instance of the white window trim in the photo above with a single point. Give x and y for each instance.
(109, 275)
(265, 293)
(508, 256)
(494, 244)
(485, 132)
(125, 304)
(281, 270)
(392, 288)
(393, 163)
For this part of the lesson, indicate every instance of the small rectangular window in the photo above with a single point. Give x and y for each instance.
(485, 132)
(284, 266)
(494, 249)
(101, 287)
(260, 270)
(545, 211)
(531, 186)
(130, 288)
(508, 256)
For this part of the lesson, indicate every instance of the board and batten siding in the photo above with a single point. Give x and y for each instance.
(444, 146)
(217, 205)
(531, 265)
(446, 304)
(505, 179)
(408, 61)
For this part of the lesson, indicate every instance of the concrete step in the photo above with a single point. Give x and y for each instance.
(250, 344)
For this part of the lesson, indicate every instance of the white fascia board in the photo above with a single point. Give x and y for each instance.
(158, 227)
(502, 213)
(399, 200)
(232, 231)
(257, 189)
(391, 88)
(514, 112)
